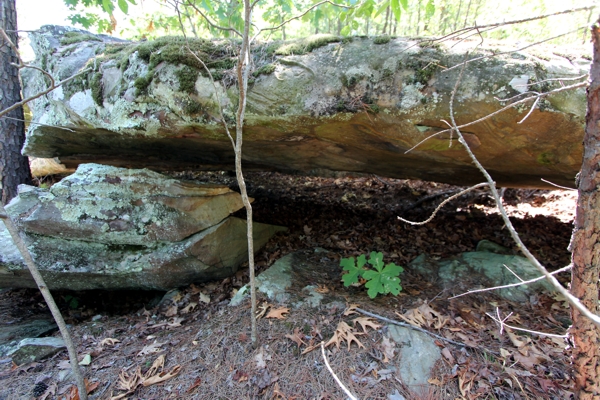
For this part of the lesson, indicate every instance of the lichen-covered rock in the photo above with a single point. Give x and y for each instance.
(112, 228)
(123, 207)
(315, 105)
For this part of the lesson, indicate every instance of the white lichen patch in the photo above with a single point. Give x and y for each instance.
(82, 102)
(411, 96)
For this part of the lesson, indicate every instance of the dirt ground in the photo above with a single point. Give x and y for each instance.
(195, 346)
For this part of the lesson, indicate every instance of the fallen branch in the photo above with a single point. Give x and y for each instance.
(337, 380)
(539, 278)
(442, 204)
(407, 325)
(505, 325)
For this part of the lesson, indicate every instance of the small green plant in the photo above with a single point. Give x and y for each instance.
(380, 279)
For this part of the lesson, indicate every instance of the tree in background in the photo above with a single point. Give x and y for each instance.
(14, 168)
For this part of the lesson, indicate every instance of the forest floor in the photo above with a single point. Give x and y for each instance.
(198, 347)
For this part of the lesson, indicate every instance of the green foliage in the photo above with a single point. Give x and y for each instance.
(72, 301)
(381, 279)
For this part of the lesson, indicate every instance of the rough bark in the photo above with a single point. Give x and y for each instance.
(586, 245)
(14, 167)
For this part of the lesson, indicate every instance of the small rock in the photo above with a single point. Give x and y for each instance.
(418, 355)
(35, 349)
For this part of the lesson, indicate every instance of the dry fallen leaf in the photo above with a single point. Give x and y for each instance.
(351, 309)
(171, 311)
(387, 348)
(189, 308)
(366, 321)
(109, 342)
(344, 332)
(263, 309)
(163, 376)
(296, 337)
(204, 298)
(278, 313)
(151, 348)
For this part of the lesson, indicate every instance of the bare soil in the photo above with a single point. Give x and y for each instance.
(207, 346)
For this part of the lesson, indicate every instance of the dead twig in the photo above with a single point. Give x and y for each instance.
(338, 381)
(442, 204)
(407, 325)
(505, 325)
(539, 278)
(574, 301)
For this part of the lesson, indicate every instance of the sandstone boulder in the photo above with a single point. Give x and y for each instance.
(315, 106)
(111, 228)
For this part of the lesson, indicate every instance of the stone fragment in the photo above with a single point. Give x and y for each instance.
(418, 355)
(35, 349)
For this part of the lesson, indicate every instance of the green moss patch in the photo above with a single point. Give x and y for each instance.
(97, 89)
(306, 45)
(382, 39)
(141, 84)
(76, 37)
(174, 50)
(264, 70)
(187, 79)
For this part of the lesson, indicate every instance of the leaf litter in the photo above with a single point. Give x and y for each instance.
(205, 349)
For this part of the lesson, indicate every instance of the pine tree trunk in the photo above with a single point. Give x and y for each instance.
(14, 168)
(586, 257)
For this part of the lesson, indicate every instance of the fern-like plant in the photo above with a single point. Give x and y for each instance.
(380, 279)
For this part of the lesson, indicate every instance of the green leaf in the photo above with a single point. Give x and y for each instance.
(396, 9)
(123, 6)
(383, 282)
(346, 30)
(354, 270)
(108, 6)
(404, 4)
(376, 260)
(429, 9)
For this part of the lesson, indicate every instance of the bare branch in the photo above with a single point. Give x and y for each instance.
(558, 186)
(337, 380)
(274, 28)
(37, 123)
(530, 110)
(539, 278)
(513, 22)
(574, 301)
(407, 325)
(41, 284)
(574, 86)
(514, 51)
(443, 203)
(212, 24)
(505, 325)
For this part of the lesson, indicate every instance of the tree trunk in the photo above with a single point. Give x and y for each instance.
(14, 168)
(586, 257)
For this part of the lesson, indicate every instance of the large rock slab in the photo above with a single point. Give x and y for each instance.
(111, 228)
(119, 206)
(317, 105)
